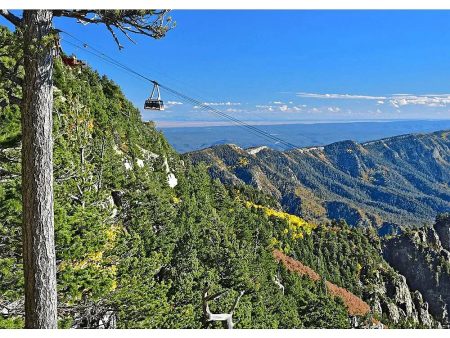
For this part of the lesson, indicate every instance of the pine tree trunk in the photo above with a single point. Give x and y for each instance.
(37, 173)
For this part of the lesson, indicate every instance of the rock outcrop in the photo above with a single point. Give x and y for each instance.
(391, 298)
(442, 228)
(422, 258)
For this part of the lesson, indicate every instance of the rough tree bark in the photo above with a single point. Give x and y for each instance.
(37, 164)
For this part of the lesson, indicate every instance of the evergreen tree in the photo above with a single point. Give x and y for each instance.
(37, 144)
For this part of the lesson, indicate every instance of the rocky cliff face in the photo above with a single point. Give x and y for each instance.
(423, 259)
(391, 298)
(442, 228)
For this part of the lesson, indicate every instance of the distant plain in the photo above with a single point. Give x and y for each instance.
(186, 139)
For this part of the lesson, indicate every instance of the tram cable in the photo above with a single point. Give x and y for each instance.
(157, 104)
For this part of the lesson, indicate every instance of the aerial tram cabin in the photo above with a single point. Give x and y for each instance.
(154, 102)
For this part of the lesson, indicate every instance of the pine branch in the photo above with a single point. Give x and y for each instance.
(151, 23)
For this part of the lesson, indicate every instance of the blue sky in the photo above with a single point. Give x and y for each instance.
(284, 66)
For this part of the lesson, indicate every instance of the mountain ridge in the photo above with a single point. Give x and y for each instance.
(363, 183)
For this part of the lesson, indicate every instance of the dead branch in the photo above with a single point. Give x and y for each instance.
(223, 317)
(277, 281)
(15, 20)
(151, 23)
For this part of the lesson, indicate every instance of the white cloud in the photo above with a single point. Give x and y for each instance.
(285, 108)
(441, 100)
(334, 109)
(233, 110)
(340, 96)
(222, 103)
(395, 100)
(174, 103)
(264, 107)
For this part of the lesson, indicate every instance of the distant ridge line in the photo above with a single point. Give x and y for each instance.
(403, 136)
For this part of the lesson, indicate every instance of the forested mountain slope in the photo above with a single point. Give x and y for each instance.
(401, 180)
(142, 237)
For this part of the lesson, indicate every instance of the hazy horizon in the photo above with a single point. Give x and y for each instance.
(186, 139)
(199, 124)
